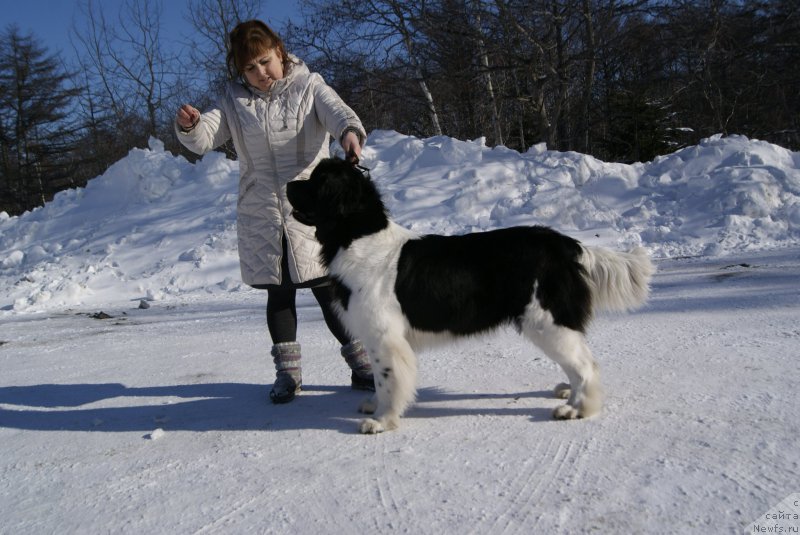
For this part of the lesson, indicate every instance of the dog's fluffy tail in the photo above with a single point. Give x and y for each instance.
(619, 281)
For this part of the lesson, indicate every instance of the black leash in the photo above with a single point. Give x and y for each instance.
(363, 170)
(353, 160)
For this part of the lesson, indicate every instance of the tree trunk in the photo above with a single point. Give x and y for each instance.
(588, 83)
(487, 77)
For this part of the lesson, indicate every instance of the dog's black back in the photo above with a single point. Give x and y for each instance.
(475, 282)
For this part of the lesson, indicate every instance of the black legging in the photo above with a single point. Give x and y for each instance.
(282, 310)
(282, 313)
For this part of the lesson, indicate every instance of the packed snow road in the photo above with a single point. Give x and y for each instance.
(157, 421)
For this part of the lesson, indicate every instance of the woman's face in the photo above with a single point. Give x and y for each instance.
(264, 69)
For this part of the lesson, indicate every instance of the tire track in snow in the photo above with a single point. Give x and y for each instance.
(522, 497)
(218, 524)
(569, 457)
(542, 473)
(383, 487)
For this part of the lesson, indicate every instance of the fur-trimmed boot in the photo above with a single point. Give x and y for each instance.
(288, 377)
(358, 360)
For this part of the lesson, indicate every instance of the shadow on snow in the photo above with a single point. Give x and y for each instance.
(224, 407)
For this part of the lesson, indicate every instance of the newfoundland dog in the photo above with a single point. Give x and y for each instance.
(398, 291)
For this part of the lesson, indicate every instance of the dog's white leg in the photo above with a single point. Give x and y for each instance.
(369, 405)
(394, 366)
(568, 348)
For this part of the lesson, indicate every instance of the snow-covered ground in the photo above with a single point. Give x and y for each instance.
(157, 420)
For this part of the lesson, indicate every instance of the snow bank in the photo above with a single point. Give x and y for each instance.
(724, 195)
(155, 225)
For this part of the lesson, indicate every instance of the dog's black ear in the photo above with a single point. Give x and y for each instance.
(342, 188)
(346, 191)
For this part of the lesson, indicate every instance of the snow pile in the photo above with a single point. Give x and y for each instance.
(155, 226)
(152, 225)
(722, 196)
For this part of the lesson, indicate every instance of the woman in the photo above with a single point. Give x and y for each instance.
(279, 115)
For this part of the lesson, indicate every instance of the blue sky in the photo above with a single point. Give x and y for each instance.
(50, 20)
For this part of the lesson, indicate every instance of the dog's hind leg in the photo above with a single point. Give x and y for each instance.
(394, 366)
(568, 348)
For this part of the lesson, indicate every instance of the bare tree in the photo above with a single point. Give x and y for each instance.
(463, 60)
(386, 30)
(525, 24)
(590, 65)
(487, 75)
(128, 62)
(211, 22)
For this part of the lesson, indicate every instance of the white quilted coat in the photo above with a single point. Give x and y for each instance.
(279, 137)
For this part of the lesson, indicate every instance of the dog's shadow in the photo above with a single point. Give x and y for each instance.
(438, 403)
(114, 407)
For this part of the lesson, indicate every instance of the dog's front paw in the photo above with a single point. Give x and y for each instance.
(368, 406)
(372, 426)
(588, 408)
(566, 412)
(368, 426)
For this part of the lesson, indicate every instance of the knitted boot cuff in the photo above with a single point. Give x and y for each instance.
(286, 356)
(356, 357)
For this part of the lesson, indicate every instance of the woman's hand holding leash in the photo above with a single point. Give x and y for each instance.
(352, 147)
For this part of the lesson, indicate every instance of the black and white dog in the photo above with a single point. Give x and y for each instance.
(397, 290)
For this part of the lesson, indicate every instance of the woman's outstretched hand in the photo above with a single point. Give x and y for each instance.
(187, 116)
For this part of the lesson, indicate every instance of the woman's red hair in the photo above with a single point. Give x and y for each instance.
(247, 41)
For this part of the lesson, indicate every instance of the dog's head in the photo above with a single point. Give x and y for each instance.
(341, 201)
